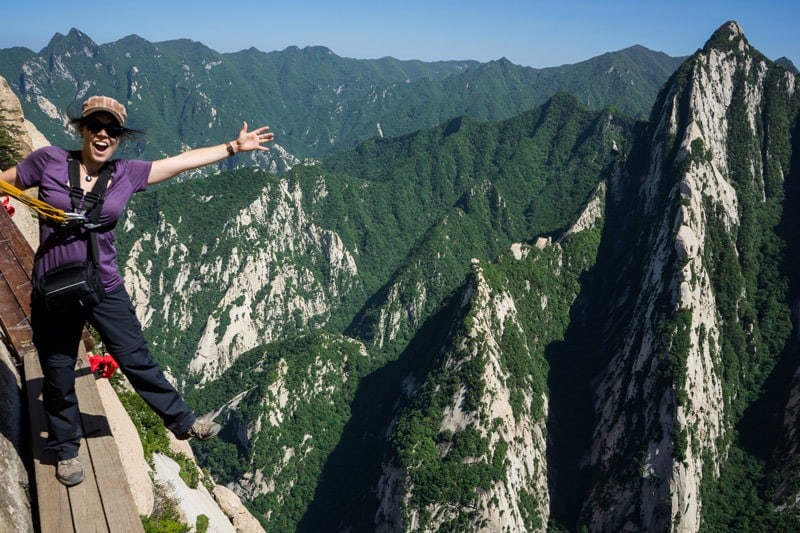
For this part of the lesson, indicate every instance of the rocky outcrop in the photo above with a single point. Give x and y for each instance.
(496, 507)
(669, 364)
(231, 505)
(263, 294)
(523, 433)
(29, 139)
(15, 491)
(209, 499)
(15, 504)
(191, 502)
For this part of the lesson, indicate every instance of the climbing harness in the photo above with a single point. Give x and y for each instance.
(45, 210)
(61, 288)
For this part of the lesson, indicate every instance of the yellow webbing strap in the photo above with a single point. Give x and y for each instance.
(41, 208)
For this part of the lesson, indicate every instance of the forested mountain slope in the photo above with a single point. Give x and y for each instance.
(219, 272)
(662, 383)
(182, 93)
(650, 331)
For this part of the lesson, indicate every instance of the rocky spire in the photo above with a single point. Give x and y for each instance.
(728, 37)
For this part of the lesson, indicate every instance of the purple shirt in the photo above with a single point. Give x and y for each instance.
(47, 169)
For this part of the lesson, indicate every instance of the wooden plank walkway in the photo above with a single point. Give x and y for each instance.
(103, 502)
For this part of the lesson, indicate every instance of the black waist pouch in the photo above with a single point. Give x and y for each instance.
(70, 287)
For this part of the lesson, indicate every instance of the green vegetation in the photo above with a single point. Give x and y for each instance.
(202, 524)
(164, 518)
(151, 428)
(153, 436)
(738, 500)
(454, 468)
(9, 141)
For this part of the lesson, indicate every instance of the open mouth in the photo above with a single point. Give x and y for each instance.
(100, 146)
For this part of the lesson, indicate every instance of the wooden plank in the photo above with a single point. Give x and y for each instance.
(16, 265)
(19, 254)
(117, 498)
(103, 502)
(20, 248)
(14, 295)
(55, 514)
(13, 322)
(23, 252)
(85, 500)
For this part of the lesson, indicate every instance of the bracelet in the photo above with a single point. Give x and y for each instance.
(231, 153)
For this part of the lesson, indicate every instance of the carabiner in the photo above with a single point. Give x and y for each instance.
(74, 218)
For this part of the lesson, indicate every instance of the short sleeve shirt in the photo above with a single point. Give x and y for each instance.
(47, 168)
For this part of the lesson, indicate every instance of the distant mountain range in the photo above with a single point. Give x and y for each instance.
(186, 94)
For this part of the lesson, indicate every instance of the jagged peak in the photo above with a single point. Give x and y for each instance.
(314, 50)
(502, 63)
(74, 38)
(133, 38)
(787, 63)
(728, 37)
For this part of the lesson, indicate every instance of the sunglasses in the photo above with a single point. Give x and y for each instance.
(94, 125)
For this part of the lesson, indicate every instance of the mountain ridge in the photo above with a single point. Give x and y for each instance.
(316, 102)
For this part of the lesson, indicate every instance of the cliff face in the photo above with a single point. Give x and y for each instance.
(29, 139)
(15, 506)
(262, 295)
(512, 446)
(707, 170)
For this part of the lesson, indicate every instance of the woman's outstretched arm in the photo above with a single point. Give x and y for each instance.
(247, 141)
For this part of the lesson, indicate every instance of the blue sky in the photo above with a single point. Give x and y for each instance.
(533, 33)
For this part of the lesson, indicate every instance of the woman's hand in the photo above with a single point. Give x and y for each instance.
(252, 140)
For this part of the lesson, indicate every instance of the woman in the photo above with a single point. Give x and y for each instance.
(57, 335)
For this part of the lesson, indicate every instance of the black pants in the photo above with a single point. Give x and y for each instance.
(57, 337)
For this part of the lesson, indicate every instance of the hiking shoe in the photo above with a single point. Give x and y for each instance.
(69, 471)
(202, 429)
